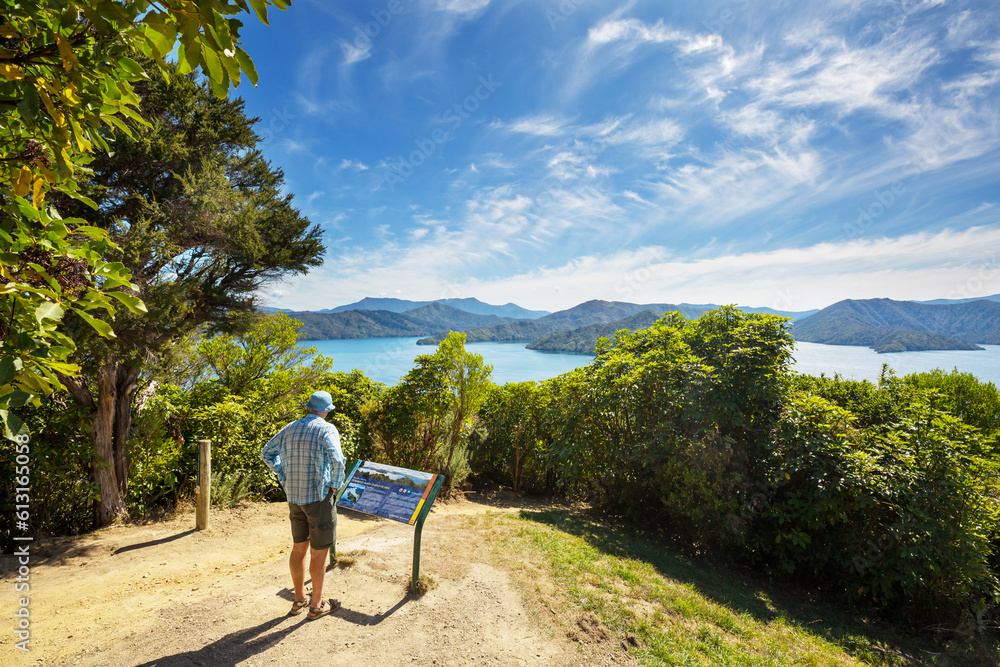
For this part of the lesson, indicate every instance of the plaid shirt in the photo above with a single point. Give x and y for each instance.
(306, 457)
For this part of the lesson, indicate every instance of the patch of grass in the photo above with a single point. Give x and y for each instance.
(349, 558)
(229, 490)
(670, 610)
(424, 584)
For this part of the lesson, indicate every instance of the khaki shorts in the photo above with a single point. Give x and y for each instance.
(315, 522)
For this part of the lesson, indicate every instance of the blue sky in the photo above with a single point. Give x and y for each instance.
(782, 154)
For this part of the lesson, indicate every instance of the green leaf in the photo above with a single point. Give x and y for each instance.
(133, 303)
(246, 64)
(15, 399)
(49, 311)
(260, 8)
(99, 326)
(12, 425)
(35, 382)
(232, 66)
(9, 366)
(133, 68)
(221, 89)
(211, 61)
(161, 34)
(29, 105)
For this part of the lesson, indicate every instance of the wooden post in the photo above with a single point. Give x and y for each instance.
(203, 498)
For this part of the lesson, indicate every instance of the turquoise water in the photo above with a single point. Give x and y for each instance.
(862, 363)
(388, 359)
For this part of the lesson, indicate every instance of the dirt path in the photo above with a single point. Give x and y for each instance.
(164, 594)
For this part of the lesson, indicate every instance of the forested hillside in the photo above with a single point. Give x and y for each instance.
(469, 305)
(584, 339)
(421, 321)
(590, 312)
(895, 326)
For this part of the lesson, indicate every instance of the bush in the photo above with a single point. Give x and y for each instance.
(669, 423)
(896, 512)
(514, 448)
(62, 489)
(962, 395)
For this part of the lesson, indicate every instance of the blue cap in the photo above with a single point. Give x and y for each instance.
(320, 401)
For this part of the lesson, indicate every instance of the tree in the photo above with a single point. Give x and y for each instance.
(467, 383)
(514, 445)
(425, 421)
(200, 221)
(267, 349)
(66, 74)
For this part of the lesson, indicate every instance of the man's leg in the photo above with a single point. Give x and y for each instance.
(317, 570)
(297, 566)
(300, 545)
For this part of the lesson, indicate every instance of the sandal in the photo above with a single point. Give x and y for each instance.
(323, 610)
(298, 607)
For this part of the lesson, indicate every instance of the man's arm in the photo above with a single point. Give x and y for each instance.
(336, 456)
(272, 458)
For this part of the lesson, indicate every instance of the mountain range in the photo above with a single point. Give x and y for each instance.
(897, 326)
(469, 305)
(421, 321)
(883, 324)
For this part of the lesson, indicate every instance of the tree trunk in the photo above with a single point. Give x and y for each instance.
(127, 383)
(111, 505)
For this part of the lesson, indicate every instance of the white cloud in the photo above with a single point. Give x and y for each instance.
(950, 264)
(357, 165)
(632, 33)
(467, 8)
(357, 51)
(542, 125)
(292, 146)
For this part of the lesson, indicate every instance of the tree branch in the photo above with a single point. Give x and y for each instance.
(78, 389)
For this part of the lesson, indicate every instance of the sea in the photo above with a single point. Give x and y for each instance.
(387, 360)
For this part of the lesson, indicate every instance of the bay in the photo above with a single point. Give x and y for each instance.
(387, 360)
(864, 363)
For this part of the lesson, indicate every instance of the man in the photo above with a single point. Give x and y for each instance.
(306, 457)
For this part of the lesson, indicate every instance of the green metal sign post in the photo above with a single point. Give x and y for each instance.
(419, 527)
(393, 493)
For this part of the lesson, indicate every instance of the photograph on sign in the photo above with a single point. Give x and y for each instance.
(387, 491)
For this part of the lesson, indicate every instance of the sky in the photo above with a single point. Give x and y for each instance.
(545, 152)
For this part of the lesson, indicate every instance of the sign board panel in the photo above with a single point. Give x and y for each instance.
(387, 491)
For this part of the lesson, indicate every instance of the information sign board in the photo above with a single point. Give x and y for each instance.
(387, 491)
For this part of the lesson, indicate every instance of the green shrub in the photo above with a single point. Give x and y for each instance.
(901, 512)
(229, 490)
(163, 462)
(961, 394)
(670, 422)
(62, 489)
(514, 448)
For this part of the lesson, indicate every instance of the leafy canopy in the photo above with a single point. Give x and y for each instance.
(66, 79)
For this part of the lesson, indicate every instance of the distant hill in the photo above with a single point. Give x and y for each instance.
(452, 318)
(596, 316)
(470, 305)
(358, 324)
(945, 302)
(796, 315)
(584, 339)
(584, 314)
(895, 326)
(429, 319)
